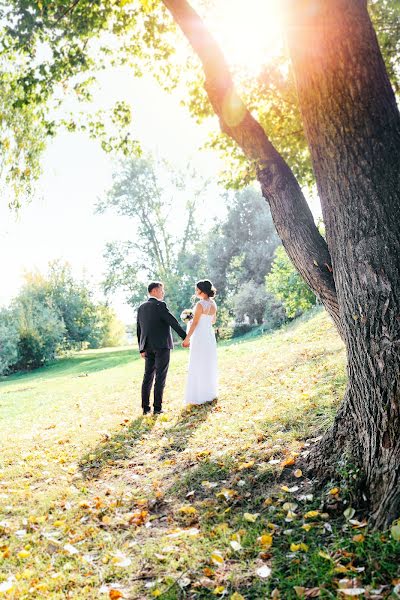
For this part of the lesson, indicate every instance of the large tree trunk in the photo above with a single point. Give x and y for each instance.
(289, 209)
(352, 126)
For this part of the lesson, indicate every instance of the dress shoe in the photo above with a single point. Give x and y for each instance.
(158, 412)
(146, 412)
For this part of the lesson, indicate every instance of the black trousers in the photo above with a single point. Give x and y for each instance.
(157, 363)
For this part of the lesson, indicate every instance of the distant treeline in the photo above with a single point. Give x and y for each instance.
(52, 314)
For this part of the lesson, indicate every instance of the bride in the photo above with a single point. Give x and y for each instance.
(201, 386)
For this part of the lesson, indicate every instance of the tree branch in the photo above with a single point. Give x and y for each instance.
(289, 209)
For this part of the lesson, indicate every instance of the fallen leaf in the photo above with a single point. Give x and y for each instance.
(251, 517)
(115, 594)
(217, 558)
(236, 546)
(265, 540)
(312, 514)
(120, 560)
(395, 531)
(334, 491)
(219, 590)
(349, 512)
(358, 538)
(263, 572)
(299, 547)
(298, 473)
(246, 465)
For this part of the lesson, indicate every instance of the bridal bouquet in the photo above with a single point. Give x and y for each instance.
(187, 315)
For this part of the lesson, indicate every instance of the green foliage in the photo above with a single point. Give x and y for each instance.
(240, 254)
(250, 302)
(285, 283)
(109, 331)
(145, 191)
(41, 332)
(53, 313)
(8, 339)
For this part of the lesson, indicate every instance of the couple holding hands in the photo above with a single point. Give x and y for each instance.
(154, 322)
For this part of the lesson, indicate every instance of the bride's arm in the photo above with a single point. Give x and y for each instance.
(196, 318)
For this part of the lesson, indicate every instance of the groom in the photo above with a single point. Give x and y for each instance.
(155, 343)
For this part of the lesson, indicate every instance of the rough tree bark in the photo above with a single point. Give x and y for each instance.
(352, 126)
(353, 129)
(289, 209)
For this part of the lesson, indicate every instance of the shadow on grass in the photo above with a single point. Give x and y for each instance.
(122, 445)
(79, 364)
(190, 419)
(119, 447)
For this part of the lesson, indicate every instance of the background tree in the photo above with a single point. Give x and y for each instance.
(40, 333)
(9, 338)
(146, 193)
(109, 331)
(285, 283)
(241, 247)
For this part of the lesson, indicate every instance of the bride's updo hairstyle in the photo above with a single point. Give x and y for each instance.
(206, 287)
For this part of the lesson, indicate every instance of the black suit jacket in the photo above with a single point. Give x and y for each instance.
(153, 326)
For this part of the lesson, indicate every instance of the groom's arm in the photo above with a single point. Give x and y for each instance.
(172, 322)
(138, 330)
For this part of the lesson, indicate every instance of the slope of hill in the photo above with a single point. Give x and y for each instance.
(97, 501)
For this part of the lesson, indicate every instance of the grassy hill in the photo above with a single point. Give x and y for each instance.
(98, 502)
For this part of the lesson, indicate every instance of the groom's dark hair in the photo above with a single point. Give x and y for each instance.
(153, 285)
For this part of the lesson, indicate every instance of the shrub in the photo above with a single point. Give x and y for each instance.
(285, 283)
(8, 340)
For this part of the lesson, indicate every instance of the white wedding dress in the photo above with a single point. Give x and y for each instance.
(202, 379)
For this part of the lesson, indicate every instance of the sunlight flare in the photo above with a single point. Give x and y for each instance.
(249, 32)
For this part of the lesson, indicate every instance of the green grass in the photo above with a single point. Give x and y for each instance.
(83, 472)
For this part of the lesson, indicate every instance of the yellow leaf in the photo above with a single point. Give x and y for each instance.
(23, 554)
(237, 596)
(298, 473)
(358, 538)
(288, 462)
(226, 493)
(306, 527)
(268, 502)
(219, 590)
(324, 555)
(188, 510)
(265, 540)
(106, 519)
(311, 514)
(334, 491)
(251, 518)
(297, 547)
(58, 523)
(217, 558)
(246, 465)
